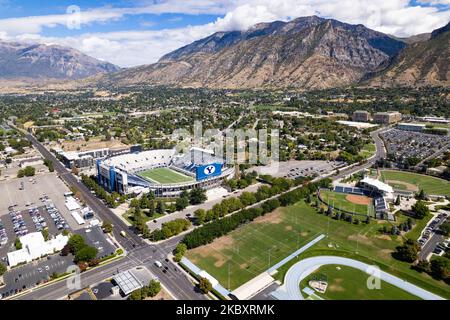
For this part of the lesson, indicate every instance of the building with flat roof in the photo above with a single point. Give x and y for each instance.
(361, 116)
(85, 159)
(34, 247)
(387, 118)
(128, 282)
(416, 127)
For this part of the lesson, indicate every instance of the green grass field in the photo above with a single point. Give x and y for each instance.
(430, 185)
(346, 283)
(164, 176)
(253, 248)
(338, 200)
(246, 250)
(368, 150)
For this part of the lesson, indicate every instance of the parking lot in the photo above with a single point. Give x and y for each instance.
(295, 169)
(19, 223)
(95, 237)
(45, 185)
(431, 240)
(29, 275)
(407, 144)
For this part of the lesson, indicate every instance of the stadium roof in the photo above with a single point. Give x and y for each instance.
(378, 184)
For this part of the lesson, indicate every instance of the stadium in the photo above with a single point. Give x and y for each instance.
(370, 198)
(164, 172)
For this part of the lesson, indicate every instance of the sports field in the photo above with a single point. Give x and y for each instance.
(348, 202)
(414, 182)
(246, 250)
(164, 176)
(253, 248)
(346, 283)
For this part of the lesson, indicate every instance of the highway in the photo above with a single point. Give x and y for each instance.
(140, 252)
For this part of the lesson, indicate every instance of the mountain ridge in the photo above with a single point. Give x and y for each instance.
(40, 61)
(307, 52)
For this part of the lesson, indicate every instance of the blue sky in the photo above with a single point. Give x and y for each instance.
(130, 33)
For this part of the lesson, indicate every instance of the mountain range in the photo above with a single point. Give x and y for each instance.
(305, 53)
(43, 62)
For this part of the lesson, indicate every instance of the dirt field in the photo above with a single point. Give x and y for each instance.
(93, 144)
(359, 199)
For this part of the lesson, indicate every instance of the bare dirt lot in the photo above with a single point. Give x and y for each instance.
(93, 144)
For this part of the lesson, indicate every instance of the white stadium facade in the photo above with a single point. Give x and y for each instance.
(121, 173)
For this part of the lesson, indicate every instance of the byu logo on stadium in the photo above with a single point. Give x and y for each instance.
(209, 170)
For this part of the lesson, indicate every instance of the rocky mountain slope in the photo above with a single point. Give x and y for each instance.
(421, 63)
(42, 62)
(306, 53)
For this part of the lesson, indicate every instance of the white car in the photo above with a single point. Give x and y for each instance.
(158, 264)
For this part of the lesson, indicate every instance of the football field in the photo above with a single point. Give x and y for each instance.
(164, 176)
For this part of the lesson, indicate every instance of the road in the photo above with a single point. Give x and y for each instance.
(173, 279)
(139, 252)
(299, 271)
(93, 202)
(380, 153)
(191, 209)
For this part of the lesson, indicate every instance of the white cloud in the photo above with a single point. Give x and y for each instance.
(130, 48)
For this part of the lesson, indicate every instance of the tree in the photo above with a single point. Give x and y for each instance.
(153, 288)
(181, 203)
(440, 267)
(45, 234)
(135, 295)
(397, 201)
(420, 210)
(17, 244)
(179, 251)
(197, 196)
(160, 207)
(65, 250)
(329, 211)
(200, 215)
(445, 228)
(76, 242)
(422, 266)
(408, 251)
(204, 285)
(247, 198)
(421, 195)
(107, 227)
(2, 269)
(86, 254)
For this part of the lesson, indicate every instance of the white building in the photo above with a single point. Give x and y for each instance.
(375, 185)
(34, 247)
(72, 204)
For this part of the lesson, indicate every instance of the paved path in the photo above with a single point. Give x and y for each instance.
(294, 254)
(291, 291)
